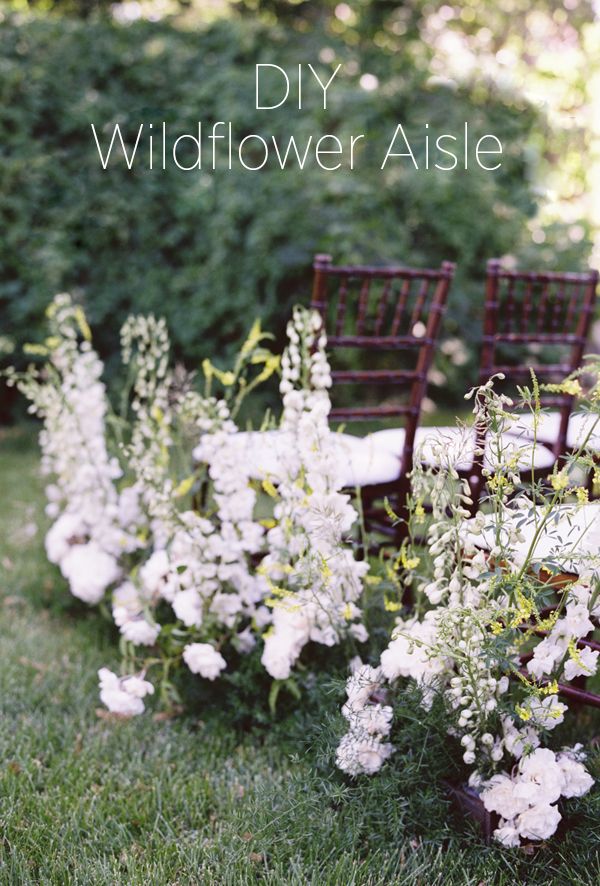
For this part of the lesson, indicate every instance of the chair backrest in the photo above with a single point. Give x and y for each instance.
(383, 309)
(536, 315)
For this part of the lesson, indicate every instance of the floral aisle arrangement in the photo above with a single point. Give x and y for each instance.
(158, 507)
(504, 604)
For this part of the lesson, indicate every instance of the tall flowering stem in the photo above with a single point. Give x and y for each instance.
(314, 577)
(96, 522)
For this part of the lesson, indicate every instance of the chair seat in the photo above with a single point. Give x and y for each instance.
(361, 462)
(376, 458)
(459, 443)
(580, 425)
(572, 539)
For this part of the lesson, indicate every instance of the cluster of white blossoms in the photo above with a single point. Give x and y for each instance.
(314, 578)
(95, 524)
(565, 642)
(362, 749)
(123, 695)
(526, 799)
(484, 643)
(199, 559)
(167, 524)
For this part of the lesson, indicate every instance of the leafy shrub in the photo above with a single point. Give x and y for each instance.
(208, 249)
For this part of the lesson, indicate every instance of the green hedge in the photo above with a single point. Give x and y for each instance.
(212, 250)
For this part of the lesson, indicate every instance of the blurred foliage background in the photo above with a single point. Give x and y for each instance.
(210, 250)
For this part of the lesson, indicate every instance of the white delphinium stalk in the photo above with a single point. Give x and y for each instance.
(203, 559)
(315, 579)
(362, 750)
(145, 350)
(95, 524)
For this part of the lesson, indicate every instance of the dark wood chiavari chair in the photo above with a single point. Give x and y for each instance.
(377, 310)
(536, 320)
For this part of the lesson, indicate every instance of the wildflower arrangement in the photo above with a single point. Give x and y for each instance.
(155, 508)
(505, 602)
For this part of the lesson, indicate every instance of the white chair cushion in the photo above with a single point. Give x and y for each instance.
(376, 458)
(459, 443)
(570, 541)
(362, 463)
(580, 425)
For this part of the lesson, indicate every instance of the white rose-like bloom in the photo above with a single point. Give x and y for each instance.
(154, 572)
(123, 695)
(203, 659)
(538, 822)
(410, 653)
(546, 655)
(245, 641)
(129, 511)
(577, 780)
(518, 741)
(89, 571)
(499, 796)
(60, 536)
(226, 607)
(359, 632)
(363, 681)
(374, 719)
(128, 613)
(140, 632)
(279, 656)
(359, 753)
(507, 834)
(576, 622)
(540, 777)
(187, 606)
(284, 644)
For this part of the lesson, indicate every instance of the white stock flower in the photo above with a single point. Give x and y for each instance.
(412, 652)
(526, 799)
(140, 632)
(187, 606)
(360, 753)
(66, 532)
(577, 780)
(154, 574)
(123, 695)
(361, 684)
(373, 718)
(540, 777)
(507, 834)
(538, 822)
(203, 659)
(89, 571)
(245, 641)
(546, 713)
(284, 643)
(499, 796)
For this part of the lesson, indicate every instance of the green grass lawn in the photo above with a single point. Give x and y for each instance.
(201, 799)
